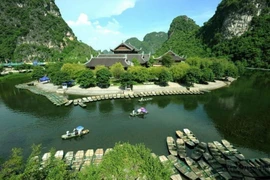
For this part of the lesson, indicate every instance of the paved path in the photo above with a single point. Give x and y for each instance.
(76, 90)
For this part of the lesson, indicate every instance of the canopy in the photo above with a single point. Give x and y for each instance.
(79, 128)
(44, 78)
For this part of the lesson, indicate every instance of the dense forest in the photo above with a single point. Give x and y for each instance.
(251, 44)
(239, 31)
(33, 30)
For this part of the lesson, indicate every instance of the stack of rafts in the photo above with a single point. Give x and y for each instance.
(213, 160)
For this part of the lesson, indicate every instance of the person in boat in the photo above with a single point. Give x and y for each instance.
(76, 131)
(67, 133)
(139, 111)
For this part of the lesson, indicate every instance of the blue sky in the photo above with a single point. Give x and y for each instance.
(103, 24)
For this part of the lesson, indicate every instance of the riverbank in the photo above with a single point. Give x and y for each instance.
(76, 90)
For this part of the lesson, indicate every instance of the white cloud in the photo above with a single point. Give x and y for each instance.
(82, 20)
(105, 8)
(96, 35)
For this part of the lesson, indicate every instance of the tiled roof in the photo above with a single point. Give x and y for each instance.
(107, 61)
(110, 59)
(175, 56)
(128, 45)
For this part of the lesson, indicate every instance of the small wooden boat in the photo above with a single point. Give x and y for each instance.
(79, 131)
(75, 102)
(173, 160)
(216, 153)
(45, 159)
(209, 170)
(82, 104)
(139, 112)
(225, 151)
(181, 135)
(68, 158)
(185, 170)
(108, 150)
(78, 161)
(195, 168)
(69, 102)
(217, 166)
(171, 146)
(191, 136)
(59, 154)
(232, 149)
(98, 156)
(145, 99)
(163, 159)
(87, 158)
(198, 151)
(233, 170)
(181, 148)
(176, 177)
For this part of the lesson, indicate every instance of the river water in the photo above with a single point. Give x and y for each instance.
(239, 113)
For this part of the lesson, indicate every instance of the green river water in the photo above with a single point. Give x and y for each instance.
(239, 113)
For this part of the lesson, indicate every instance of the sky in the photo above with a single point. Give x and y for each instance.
(104, 24)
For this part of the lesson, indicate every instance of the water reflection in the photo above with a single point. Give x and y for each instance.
(25, 101)
(238, 113)
(105, 106)
(241, 112)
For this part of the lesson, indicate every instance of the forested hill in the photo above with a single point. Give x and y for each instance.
(34, 29)
(182, 38)
(151, 41)
(240, 29)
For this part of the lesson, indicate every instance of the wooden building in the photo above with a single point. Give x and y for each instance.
(124, 53)
(176, 58)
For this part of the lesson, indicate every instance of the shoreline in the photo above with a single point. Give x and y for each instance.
(76, 90)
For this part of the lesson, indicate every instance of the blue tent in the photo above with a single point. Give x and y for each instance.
(44, 78)
(79, 128)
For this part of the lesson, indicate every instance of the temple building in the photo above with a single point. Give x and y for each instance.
(124, 53)
(176, 58)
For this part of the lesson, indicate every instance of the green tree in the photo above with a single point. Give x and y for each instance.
(164, 77)
(129, 162)
(1, 68)
(217, 69)
(207, 75)
(135, 62)
(60, 77)
(52, 68)
(141, 74)
(13, 167)
(193, 75)
(126, 79)
(103, 77)
(32, 168)
(167, 60)
(178, 71)
(72, 70)
(231, 70)
(86, 79)
(38, 72)
(240, 66)
(98, 67)
(117, 70)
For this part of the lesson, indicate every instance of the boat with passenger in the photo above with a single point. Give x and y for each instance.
(145, 99)
(139, 112)
(78, 131)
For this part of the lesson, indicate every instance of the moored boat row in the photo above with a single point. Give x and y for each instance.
(78, 160)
